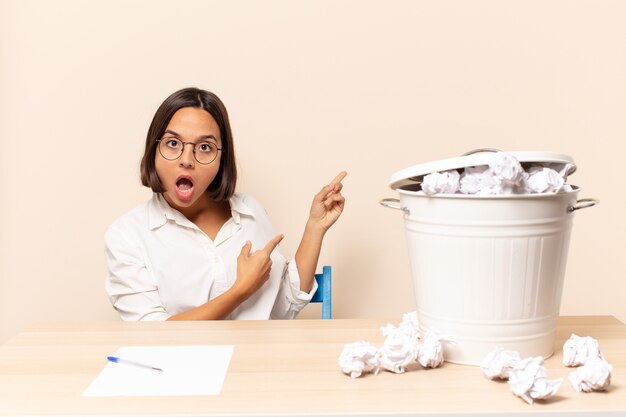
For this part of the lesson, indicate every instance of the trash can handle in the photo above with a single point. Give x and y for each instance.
(393, 203)
(583, 203)
(481, 150)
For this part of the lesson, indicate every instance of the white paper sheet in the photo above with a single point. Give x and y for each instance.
(187, 370)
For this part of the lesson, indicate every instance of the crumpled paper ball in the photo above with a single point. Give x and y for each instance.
(508, 172)
(502, 175)
(498, 363)
(410, 324)
(478, 180)
(430, 351)
(399, 349)
(594, 375)
(359, 357)
(528, 380)
(441, 183)
(577, 350)
(543, 180)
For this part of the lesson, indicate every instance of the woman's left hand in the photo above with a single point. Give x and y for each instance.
(328, 204)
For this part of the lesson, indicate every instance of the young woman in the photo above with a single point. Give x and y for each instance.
(198, 250)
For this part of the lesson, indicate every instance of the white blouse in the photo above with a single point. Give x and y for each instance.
(160, 264)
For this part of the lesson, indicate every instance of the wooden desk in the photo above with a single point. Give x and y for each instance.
(282, 367)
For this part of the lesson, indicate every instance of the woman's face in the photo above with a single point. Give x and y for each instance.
(185, 179)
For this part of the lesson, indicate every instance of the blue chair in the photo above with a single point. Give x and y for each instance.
(323, 294)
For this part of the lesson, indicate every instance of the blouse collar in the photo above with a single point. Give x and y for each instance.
(159, 211)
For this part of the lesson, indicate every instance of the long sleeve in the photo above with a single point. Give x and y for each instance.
(290, 300)
(129, 284)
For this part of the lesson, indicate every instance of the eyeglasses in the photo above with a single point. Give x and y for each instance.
(172, 148)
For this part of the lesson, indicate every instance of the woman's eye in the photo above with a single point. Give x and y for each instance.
(173, 143)
(205, 147)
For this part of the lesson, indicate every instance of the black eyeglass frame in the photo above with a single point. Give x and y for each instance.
(158, 141)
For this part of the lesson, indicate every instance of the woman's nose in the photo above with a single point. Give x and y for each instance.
(187, 159)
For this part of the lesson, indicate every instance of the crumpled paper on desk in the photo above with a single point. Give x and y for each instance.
(595, 372)
(577, 350)
(499, 363)
(401, 344)
(594, 375)
(528, 380)
(430, 351)
(401, 347)
(359, 357)
(398, 350)
(410, 324)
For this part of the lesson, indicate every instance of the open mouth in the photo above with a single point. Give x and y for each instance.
(184, 188)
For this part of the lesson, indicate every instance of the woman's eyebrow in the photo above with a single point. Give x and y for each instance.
(207, 137)
(171, 132)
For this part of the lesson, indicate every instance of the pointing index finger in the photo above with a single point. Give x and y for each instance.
(339, 178)
(271, 245)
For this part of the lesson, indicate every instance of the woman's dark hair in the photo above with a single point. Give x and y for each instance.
(223, 186)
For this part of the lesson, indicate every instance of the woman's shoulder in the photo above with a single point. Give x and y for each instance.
(247, 204)
(138, 218)
(246, 199)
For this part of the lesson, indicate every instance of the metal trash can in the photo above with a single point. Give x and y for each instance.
(487, 270)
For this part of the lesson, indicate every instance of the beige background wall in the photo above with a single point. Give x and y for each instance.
(313, 87)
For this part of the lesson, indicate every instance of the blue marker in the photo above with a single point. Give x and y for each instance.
(115, 359)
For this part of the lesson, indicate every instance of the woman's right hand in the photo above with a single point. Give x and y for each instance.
(253, 269)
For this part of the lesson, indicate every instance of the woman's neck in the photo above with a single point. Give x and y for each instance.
(209, 216)
(204, 205)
